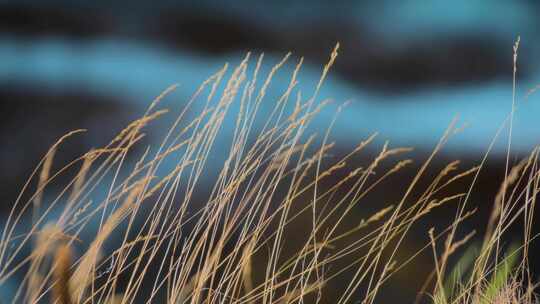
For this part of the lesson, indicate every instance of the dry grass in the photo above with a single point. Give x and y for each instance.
(270, 227)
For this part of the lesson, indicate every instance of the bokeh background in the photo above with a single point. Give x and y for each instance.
(407, 67)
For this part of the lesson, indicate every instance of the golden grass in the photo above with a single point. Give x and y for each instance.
(270, 226)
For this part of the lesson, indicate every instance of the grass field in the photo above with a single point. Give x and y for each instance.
(276, 225)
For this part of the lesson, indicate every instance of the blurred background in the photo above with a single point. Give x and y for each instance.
(407, 67)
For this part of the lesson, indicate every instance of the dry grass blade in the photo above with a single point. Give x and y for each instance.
(61, 290)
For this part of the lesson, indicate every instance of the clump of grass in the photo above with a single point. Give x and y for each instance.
(269, 227)
(489, 274)
(485, 274)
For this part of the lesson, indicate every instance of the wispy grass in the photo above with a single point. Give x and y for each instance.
(481, 275)
(273, 225)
